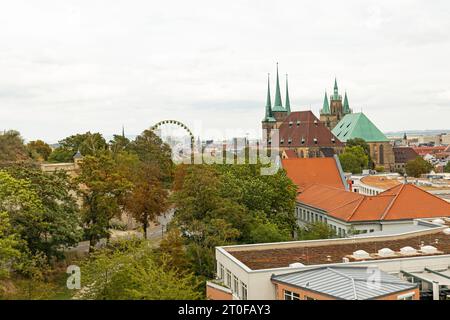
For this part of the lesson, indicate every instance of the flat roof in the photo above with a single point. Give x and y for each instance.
(316, 252)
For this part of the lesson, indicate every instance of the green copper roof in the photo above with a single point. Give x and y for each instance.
(288, 101)
(346, 105)
(278, 104)
(357, 125)
(326, 105)
(269, 117)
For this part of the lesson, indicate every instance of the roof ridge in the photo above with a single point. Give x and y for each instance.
(392, 201)
(354, 211)
(352, 280)
(346, 204)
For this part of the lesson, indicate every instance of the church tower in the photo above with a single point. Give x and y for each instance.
(332, 112)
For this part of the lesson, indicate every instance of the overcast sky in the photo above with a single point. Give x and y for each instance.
(71, 66)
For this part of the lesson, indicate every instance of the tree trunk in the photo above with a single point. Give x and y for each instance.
(145, 226)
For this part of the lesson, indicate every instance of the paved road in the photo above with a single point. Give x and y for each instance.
(154, 232)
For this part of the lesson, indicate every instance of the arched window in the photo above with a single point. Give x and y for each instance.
(381, 154)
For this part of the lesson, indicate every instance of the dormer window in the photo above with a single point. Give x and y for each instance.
(333, 140)
(298, 123)
(315, 140)
(289, 141)
(281, 141)
(270, 141)
(315, 122)
(303, 140)
(290, 124)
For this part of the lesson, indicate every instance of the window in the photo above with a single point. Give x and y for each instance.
(406, 296)
(221, 272)
(236, 285)
(243, 291)
(289, 295)
(228, 283)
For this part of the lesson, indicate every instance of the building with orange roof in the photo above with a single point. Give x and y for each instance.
(349, 212)
(307, 171)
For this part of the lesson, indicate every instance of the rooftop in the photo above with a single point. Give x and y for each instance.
(303, 129)
(317, 252)
(306, 171)
(386, 182)
(402, 202)
(345, 282)
(357, 125)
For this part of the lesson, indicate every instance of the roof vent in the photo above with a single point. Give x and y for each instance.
(408, 251)
(386, 252)
(447, 231)
(429, 249)
(361, 254)
(296, 265)
(438, 221)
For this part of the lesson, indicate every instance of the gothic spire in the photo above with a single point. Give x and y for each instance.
(288, 101)
(268, 116)
(326, 105)
(278, 104)
(346, 105)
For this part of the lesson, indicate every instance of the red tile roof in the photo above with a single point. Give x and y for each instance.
(304, 125)
(306, 171)
(402, 202)
(429, 150)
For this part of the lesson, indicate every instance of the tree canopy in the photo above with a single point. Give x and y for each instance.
(354, 159)
(417, 167)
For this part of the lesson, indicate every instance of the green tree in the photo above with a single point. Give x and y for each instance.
(315, 231)
(118, 144)
(39, 150)
(60, 223)
(447, 167)
(9, 246)
(89, 144)
(12, 148)
(103, 192)
(131, 270)
(24, 208)
(363, 144)
(153, 151)
(354, 159)
(418, 166)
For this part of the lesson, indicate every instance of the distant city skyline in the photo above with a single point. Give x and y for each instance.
(76, 66)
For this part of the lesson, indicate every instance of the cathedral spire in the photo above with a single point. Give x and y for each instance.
(346, 105)
(326, 105)
(288, 101)
(278, 104)
(268, 116)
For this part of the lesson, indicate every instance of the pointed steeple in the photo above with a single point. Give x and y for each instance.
(269, 116)
(326, 105)
(346, 105)
(336, 95)
(288, 101)
(278, 104)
